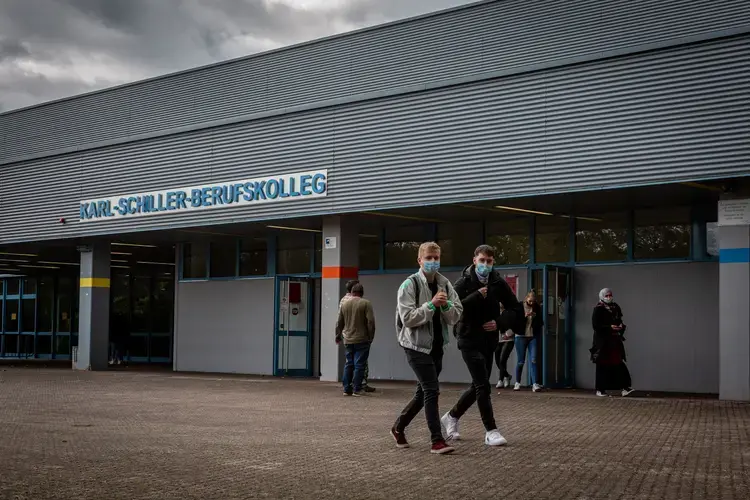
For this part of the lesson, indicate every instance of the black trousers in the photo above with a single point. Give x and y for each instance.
(427, 368)
(502, 353)
(478, 360)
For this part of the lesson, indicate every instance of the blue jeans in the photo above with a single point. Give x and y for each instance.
(356, 361)
(522, 343)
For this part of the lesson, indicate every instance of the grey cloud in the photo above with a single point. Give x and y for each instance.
(66, 47)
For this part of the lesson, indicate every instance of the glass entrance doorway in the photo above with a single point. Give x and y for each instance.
(554, 286)
(293, 330)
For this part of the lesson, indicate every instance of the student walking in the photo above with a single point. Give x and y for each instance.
(529, 340)
(427, 306)
(356, 327)
(608, 350)
(481, 290)
(365, 385)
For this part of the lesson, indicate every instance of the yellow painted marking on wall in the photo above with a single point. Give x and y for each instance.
(94, 282)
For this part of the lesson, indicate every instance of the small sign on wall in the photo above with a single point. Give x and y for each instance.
(330, 243)
(734, 212)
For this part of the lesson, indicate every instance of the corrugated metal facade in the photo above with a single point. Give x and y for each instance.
(490, 36)
(664, 115)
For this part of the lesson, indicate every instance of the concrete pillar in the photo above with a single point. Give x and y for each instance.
(340, 264)
(734, 306)
(93, 309)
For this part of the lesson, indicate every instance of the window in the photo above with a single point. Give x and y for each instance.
(552, 242)
(369, 252)
(712, 239)
(29, 286)
(45, 304)
(28, 316)
(402, 245)
(141, 297)
(120, 306)
(62, 345)
(65, 301)
(223, 258)
(194, 261)
(44, 345)
(458, 242)
(11, 315)
(163, 311)
(511, 240)
(12, 286)
(294, 252)
(602, 238)
(662, 233)
(253, 257)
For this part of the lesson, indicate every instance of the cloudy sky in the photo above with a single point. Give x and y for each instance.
(56, 48)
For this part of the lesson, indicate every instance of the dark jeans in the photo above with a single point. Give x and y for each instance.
(356, 360)
(427, 368)
(502, 353)
(479, 363)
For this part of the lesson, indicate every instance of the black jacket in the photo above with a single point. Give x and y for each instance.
(605, 338)
(479, 310)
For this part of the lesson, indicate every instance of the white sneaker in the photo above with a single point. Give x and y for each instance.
(602, 394)
(450, 425)
(506, 382)
(626, 392)
(494, 438)
(500, 384)
(536, 388)
(517, 387)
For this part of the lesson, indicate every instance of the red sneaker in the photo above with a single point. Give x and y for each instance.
(400, 438)
(441, 448)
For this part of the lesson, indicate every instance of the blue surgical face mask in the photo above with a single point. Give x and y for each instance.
(484, 270)
(431, 266)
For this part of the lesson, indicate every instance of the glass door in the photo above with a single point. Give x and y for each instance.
(293, 329)
(554, 287)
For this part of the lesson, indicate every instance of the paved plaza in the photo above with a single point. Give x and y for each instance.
(129, 435)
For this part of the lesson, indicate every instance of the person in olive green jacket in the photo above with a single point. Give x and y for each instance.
(356, 326)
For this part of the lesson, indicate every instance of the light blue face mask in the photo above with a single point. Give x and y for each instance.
(431, 266)
(484, 270)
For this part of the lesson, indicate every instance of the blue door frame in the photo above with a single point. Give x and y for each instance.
(569, 334)
(279, 334)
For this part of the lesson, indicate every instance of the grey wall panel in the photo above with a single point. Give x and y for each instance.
(225, 326)
(665, 116)
(673, 323)
(489, 36)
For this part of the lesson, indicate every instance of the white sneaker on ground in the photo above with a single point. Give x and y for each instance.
(626, 392)
(500, 384)
(601, 394)
(506, 382)
(536, 388)
(517, 387)
(494, 438)
(450, 425)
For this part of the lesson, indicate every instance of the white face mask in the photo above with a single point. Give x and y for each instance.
(608, 300)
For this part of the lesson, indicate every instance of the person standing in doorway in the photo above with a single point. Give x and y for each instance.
(608, 350)
(356, 327)
(365, 385)
(529, 340)
(481, 290)
(427, 306)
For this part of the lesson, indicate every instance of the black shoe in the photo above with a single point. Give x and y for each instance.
(369, 389)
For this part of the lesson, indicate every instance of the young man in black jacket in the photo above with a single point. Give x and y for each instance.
(481, 290)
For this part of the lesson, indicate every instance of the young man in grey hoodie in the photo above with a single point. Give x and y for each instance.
(427, 306)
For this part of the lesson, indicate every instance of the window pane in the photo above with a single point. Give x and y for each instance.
(254, 257)
(12, 286)
(511, 240)
(29, 286)
(458, 241)
(65, 300)
(138, 346)
(163, 311)
(120, 309)
(318, 253)
(662, 233)
(223, 259)
(402, 246)
(605, 239)
(44, 344)
(160, 347)
(45, 304)
(552, 239)
(194, 261)
(26, 346)
(28, 318)
(62, 345)
(10, 345)
(141, 296)
(11, 315)
(369, 252)
(294, 252)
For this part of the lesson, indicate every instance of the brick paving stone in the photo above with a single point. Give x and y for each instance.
(127, 435)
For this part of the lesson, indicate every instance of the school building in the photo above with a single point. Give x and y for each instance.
(208, 219)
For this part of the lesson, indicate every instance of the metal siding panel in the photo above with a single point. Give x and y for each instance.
(484, 37)
(682, 113)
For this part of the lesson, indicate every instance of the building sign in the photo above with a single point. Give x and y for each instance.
(734, 212)
(299, 186)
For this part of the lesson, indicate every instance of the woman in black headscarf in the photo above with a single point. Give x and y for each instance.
(608, 351)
